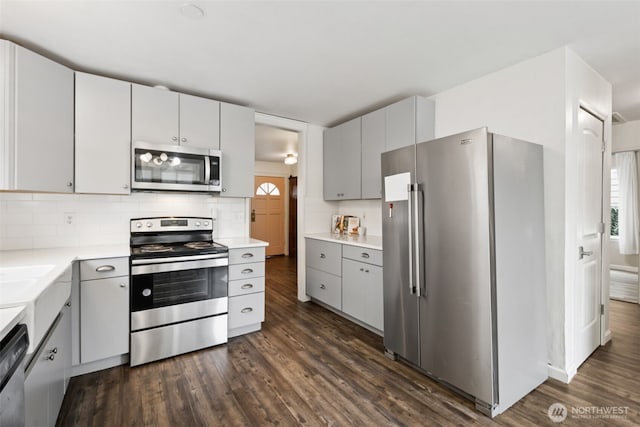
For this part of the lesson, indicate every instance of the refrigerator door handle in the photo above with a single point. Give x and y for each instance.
(412, 288)
(418, 223)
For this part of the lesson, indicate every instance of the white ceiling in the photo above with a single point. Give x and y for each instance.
(326, 61)
(273, 144)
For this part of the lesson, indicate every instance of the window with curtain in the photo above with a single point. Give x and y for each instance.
(615, 203)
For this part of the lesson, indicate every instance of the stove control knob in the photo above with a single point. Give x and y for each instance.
(139, 225)
(206, 223)
(149, 225)
(146, 292)
(197, 223)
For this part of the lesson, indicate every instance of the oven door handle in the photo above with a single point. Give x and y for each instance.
(137, 270)
(179, 258)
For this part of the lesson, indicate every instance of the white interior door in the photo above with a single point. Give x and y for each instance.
(589, 251)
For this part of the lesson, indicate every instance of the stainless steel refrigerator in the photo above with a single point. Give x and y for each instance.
(464, 270)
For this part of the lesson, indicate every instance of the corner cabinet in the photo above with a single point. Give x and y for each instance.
(342, 161)
(36, 113)
(103, 135)
(165, 117)
(237, 144)
(246, 290)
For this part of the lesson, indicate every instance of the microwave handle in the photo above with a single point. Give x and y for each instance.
(207, 170)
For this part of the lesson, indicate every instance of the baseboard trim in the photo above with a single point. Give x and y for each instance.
(607, 337)
(561, 374)
(99, 365)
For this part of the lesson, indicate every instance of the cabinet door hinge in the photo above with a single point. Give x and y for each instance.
(601, 309)
(601, 227)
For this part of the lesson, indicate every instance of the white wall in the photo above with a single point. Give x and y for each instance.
(369, 212)
(37, 220)
(537, 100)
(626, 136)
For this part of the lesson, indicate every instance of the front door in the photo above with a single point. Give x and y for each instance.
(587, 298)
(267, 213)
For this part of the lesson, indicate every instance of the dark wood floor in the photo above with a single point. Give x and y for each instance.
(309, 366)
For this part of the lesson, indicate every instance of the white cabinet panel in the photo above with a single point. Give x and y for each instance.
(154, 115)
(324, 287)
(246, 310)
(342, 161)
(373, 138)
(37, 122)
(237, 143)
(103, 135)
(362, 292)
(324, 256)
(401, 124)
(199, 122)
(104, 318)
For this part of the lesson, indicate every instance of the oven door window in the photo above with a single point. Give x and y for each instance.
(177, 287)
(169, 168)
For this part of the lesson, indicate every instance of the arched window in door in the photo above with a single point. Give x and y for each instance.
(267, 188)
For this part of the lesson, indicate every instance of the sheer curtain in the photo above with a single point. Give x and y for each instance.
(628, 222)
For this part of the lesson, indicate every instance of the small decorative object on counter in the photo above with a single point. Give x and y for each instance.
(336, 224)
(353, 225)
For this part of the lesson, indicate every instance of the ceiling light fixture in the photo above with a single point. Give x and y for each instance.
(192, 11)
(291, 159)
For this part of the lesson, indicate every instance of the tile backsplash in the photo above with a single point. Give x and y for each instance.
(38, 220)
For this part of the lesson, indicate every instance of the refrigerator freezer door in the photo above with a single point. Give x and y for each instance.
(456, 308)
(400, 303)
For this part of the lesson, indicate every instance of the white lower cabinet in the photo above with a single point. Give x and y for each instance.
(362, 292)
(104, 308)
(246, 290)
(346, 278)
(47, 374)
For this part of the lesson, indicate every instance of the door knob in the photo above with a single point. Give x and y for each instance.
(582, 253)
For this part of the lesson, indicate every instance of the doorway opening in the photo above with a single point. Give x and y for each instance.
(274, 202)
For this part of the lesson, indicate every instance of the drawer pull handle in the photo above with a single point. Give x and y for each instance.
(105, 268)
(247, 271)
(122, 285)
(247, 255)
(322, 255)
(246, 310)
(247, 286)
(322, 286)
(365, 255)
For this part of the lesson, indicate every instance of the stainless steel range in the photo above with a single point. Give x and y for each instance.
(179, 278)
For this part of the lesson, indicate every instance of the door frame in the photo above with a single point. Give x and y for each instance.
(303, 134)
(571, 247)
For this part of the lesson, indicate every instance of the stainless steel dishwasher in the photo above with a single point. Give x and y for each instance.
(13, 348)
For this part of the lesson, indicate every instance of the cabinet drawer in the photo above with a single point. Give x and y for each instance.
(246, 310)
(324, 256)
(247, 286)
(246, 271)
(246, 255)
(104, 268)
(324, 287)
(357, 253)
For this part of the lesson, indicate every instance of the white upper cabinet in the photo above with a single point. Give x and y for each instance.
(342, 161)
(165, 117)
(36, 112)
(373, 141)
(154, 115)
(237, 143)
(103, 135)
(199, 122)
(408, 122)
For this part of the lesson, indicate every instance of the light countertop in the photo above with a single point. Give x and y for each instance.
(241, 242)
(10, 317)
(369, 242)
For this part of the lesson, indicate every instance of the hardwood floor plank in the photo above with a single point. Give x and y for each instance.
(309, 366)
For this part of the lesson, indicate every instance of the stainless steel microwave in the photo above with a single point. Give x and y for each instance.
(175, 168)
